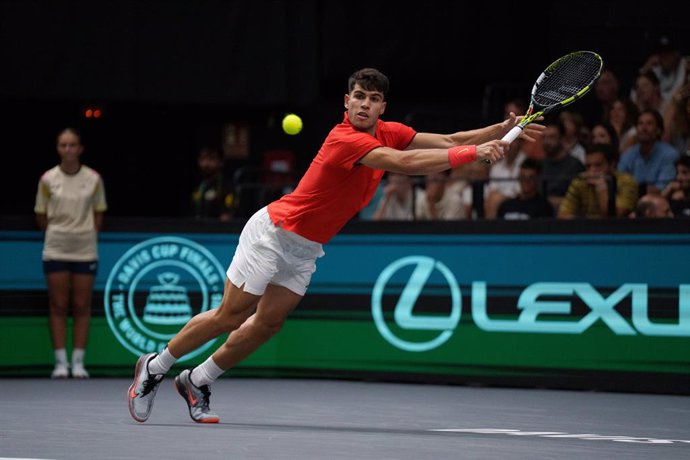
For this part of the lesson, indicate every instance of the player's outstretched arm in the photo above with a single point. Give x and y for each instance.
(427, 161)
(476, 136)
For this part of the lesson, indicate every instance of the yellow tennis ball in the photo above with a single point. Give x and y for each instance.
(292, 124)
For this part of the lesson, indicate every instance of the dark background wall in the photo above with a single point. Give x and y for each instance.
(169, 74)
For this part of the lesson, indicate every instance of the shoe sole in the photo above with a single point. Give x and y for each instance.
(130, 400)
(180, 387)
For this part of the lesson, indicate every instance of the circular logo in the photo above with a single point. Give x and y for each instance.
(423, 269)
(156, 287)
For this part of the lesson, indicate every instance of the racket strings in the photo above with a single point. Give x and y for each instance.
(568, 78)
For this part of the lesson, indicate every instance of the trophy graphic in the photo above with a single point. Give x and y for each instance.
(167, 303)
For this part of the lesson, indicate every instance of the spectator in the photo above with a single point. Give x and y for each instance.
(437, 201)
(503, 177)
(596, 108)
(650, 161)
(669, 66)
(605, 133)
(677, 121)
(600, 191)
(584, 136)
(647, 95)
(397, 201)
(469, 182)
(607, 90)
(214, 197)
(529, 203)
(69, 206)
(652, 206)
(623, 117)
(678, 191)
(572, 127)
(559, 168)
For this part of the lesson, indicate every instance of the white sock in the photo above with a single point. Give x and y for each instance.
(206, 373)
(78, 357)
(162, 363)
(61, 356)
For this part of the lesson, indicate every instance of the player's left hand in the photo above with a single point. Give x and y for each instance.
(531, 133)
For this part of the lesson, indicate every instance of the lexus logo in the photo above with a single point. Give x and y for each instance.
(404, 317)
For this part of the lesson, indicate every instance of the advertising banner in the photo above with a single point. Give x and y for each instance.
(485, 308)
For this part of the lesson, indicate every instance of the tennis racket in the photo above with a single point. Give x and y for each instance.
(562, 83)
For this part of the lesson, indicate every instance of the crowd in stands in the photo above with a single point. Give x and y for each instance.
(615, 153)
(610, 154)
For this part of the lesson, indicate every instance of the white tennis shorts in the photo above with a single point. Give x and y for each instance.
(268, 254)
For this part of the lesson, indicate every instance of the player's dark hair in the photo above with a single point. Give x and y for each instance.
(370, 80)
(608, 150)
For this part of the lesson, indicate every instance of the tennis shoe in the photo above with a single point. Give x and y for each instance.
(61, 371)
(79, 372)
(197, 398)
(143, 389)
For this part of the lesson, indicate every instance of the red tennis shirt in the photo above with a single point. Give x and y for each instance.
(336, 187)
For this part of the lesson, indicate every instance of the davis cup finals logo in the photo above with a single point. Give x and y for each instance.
(156, 287)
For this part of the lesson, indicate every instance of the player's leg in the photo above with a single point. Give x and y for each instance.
(193, 384)
(273, 308)
(82, 294)
(236, 306)
(58, 299)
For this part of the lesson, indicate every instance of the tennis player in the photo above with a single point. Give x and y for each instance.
(279, 245)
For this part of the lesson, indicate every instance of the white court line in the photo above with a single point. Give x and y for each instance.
(558, 434)
(17, 458)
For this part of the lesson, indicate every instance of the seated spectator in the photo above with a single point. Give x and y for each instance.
(607, 90)
(594, 192)
(503, 177)
(469, 182)
(678, 191)
(677, 121)
(572, 127)
(559, 168)
(397, 201)
(652, 206)
(623, 117)
(669, 66)
(584, 137)
(437, 201)
(650, 161)
(529, 203)
(214, 197)
(647, 93)
(605, 133)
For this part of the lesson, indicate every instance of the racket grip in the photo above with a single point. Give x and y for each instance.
(513, 134)
(510, 137)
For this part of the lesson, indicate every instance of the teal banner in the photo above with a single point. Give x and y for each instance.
(496, 306)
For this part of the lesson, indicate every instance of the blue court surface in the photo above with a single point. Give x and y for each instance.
(324, 419)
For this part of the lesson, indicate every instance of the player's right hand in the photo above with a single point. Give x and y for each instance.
(492, 151)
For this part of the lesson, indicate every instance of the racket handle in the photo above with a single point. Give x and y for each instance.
(510, 137)
(513, 134)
